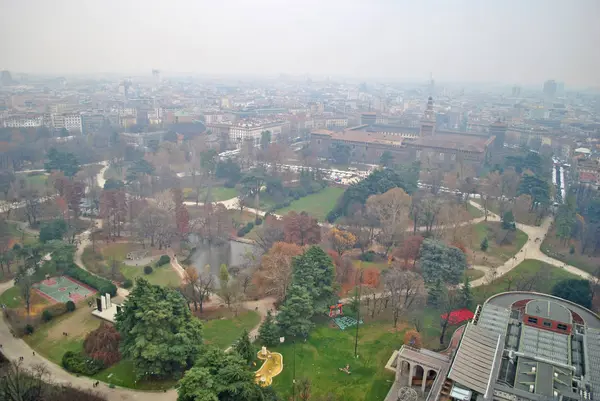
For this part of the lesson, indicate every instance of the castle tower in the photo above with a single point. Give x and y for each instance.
(498, 129)
(428, 120)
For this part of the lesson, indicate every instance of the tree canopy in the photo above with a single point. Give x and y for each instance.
(574, 290)
(443, 262)
(378, 182)
(159, 332)
(314, 271)
(62, 161)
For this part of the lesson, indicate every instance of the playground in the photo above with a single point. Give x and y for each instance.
(63, 289)
(271, 367)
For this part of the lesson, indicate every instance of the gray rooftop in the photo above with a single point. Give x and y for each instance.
(474, 365)
(545, 344)
(494, 318)
(549, 309)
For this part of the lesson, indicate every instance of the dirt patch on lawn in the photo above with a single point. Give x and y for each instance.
(77, 324)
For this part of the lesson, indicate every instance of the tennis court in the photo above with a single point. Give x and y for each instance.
(63, 289)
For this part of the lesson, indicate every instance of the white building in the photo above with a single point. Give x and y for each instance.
(23, 121)
(238, 133)
(73, 122)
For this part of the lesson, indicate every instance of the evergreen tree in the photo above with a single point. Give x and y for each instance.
(435, 294)
(313, 270)
(484, 244)
(158, 331)
(268, 333)
(244, 347)
(295, 314)
(466, 293)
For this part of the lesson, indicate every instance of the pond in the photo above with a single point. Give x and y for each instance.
(232, 253)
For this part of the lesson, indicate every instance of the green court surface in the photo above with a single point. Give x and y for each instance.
(63, 289)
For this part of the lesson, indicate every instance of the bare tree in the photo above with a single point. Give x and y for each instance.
(403, 287)
(32, 205)
(392, 210)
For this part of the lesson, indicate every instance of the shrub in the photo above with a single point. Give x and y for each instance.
(368, 256)
(258, 221)
(58, 309)
(70, 306)
(572, 250)
(127, 283)
(78, 363)
(148, 270)
(103, 344)
(46, 315)
(484, 245)
(286, 203)
(249, 226)
(111, 385)
(102, 285)
(29, 329)
(164, 259)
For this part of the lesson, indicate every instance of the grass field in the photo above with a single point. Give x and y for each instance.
(217, 194)
(49, 341)
(123, 374)
(317, 205)
(35, 181)
(473, 274)
(529, 275)
(223, 332)
(12, 298)
(496, 253)
(163, 275)
(473, 211)
(556, 249)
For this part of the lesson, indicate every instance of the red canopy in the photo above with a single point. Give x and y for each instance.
(458, 316)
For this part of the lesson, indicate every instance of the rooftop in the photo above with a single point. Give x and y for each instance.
(465, 142)
(362, 137)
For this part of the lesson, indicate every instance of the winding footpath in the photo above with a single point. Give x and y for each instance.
(14, 348)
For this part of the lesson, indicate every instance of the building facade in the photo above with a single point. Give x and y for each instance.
(519, 346)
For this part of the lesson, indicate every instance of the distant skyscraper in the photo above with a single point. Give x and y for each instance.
(516, 91)
(550, 88)
(6, 78)
(431, 85)
(428, 120)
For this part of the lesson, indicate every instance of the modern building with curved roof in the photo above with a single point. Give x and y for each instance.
(519, 346)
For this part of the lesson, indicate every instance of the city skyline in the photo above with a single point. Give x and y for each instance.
(469, 42)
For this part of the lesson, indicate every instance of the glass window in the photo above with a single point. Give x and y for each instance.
(562, 326)
(532, 320)
(547, 323)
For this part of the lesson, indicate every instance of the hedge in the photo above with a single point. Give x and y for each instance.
(102, 285)
(163, 260)
(147, 269)
(245, 230)
(78, 363)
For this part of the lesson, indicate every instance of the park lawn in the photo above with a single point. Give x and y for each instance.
(122, 374)
(12, 298)
(36, 181)
(164, 275)
(473, 211)
(317, 205)
(223, 332)
(501, 252)
(22, 237)
(556, 249)
(49, 341)
(217, 194)
(549, 276)
(473, 274)
(327, 349)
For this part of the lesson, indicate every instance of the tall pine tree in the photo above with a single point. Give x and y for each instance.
(268, 333)
(244, 347)
(466, 294)
(295, 314)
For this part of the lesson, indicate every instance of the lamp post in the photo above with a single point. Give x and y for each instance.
(294, 374)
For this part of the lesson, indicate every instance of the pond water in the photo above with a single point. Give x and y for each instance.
(232, 253)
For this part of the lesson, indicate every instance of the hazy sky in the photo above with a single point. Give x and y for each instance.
(512, 41)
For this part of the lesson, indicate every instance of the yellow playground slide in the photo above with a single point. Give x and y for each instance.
(271, 367)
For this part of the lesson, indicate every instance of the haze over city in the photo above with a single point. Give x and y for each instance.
(514, 42)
